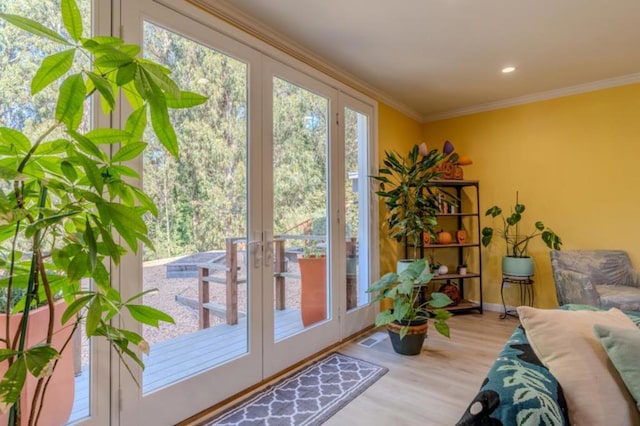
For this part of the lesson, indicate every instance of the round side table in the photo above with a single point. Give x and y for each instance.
(526, 292)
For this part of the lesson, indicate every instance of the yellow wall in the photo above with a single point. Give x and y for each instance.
(396, 132)
(574, 161)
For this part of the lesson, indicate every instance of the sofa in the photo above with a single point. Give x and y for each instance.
(520, 390)
(602, 278)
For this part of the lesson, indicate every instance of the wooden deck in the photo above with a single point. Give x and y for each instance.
(197, 352)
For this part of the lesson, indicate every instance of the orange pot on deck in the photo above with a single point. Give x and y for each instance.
(60, 393)
(313, 277)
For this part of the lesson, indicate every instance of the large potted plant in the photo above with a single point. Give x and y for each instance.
(67, 209)
(516, 261)
(407, 319)
(411, 203)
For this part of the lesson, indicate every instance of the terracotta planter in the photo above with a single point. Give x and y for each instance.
(60, 393)
(313, 277)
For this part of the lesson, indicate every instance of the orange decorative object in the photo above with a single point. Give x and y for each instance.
(426, 239)
(444, 237)
(59, 401)
(464, 160)
(452, 291)
(461, 236)
(449, 170)
(313, 293)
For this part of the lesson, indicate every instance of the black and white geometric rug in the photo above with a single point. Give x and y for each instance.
(309, 397)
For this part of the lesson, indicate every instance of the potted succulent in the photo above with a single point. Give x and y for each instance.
(412, 204)
(516, 261)
(407, 319)
(68, 209)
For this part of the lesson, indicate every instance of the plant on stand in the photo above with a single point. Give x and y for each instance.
(407, 319)
(516, 260)
(65, 206)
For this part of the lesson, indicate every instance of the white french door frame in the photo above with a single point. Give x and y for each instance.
(358, 318)
(116, 399)
(280, 355)
(189, 396)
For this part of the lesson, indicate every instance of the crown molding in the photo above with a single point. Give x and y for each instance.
(230, 14)
(537, 97)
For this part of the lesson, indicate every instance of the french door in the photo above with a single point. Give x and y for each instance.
(272, 174)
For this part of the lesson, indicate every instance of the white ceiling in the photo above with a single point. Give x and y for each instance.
(438, 57)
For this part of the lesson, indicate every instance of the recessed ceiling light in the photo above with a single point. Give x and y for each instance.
(507, 70)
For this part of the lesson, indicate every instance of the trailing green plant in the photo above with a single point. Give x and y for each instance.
(404, 290)
(66, 207)
(412, 204)
(516, 242)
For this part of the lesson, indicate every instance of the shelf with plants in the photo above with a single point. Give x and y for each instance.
(444, 277)
(434, 246)
(460, 207)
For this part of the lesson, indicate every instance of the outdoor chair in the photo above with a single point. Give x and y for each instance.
(602, 278)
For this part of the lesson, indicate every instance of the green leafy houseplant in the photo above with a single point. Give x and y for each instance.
(404, 290)
(64, 201)
(516, 242)
(411, 203)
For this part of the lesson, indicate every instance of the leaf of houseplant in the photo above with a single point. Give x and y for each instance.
(162, 125)
(68, 171)
(94, 316)
(33, 27)
(52, 68)
(185, 100)
(39, 360)
(75, 307)
(107, 136)
(71, 18)
(71, 99)
(439, 300)
(159, 75)
(113, 59)
(129, 152)
(92, 245)
(136, 123)
(12, 383)
(384, 317)
(105, 90)
(15, 139)
(148, 315)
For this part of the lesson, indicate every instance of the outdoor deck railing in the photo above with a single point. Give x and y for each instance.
(231, 279)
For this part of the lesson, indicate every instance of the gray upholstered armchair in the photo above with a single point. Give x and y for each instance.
(603, 278)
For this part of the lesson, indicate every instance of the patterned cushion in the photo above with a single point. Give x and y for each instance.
(565, 343)
(519, 390)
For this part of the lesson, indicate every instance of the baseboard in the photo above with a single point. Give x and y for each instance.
(494, 307)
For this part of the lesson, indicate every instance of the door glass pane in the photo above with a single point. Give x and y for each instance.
(300, 135)
(20, 56)
(356, 128)
(199, 264)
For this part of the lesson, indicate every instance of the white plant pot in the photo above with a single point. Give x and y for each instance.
(517, 266)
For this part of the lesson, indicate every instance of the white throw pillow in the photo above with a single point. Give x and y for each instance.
(565, 343)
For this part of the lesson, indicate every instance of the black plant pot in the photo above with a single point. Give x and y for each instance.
(412, 342)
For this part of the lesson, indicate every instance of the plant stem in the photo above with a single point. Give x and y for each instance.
(13, 414)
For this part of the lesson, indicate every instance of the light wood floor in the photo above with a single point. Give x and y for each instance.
(430, 389)
(435, 387)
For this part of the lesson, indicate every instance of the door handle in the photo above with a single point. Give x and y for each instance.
(268, 249)
(257, 249)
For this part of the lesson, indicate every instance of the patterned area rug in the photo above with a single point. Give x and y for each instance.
(309, 397)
